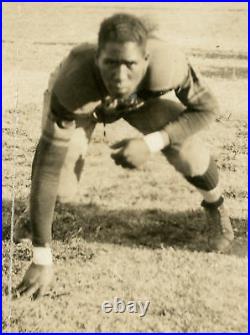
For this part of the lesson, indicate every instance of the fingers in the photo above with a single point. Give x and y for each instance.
(35, 282)
(21, 286)
(29, 290)
(25, 289)
(119, 144)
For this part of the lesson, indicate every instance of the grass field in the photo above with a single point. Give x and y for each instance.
(133, 235)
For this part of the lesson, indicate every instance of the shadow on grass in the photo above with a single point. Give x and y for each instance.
(152, 228)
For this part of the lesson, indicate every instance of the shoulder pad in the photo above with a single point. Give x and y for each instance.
(168, 67)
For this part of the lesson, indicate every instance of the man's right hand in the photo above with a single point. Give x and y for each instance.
(36, 281)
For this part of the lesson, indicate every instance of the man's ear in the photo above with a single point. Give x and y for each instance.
(147, 56)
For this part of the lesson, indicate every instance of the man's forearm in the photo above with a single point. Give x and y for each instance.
(45, 181)
(176, 132)
(201, 108)
(188, 124)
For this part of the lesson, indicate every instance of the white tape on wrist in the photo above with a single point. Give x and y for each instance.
(42, 256)
(155, 141)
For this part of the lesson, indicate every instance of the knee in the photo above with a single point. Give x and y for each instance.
(191, 158)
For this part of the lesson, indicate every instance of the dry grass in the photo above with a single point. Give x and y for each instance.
(133, 235)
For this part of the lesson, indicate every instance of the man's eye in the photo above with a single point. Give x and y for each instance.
(130, 65)
(110, 62)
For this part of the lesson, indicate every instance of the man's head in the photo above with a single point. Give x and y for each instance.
(122, 55)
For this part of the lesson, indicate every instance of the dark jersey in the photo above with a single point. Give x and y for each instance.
(79, 81)
(78, 84)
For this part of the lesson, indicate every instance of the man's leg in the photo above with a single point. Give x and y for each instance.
(193, 160)
(74, 162)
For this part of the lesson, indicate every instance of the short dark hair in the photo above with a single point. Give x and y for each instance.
(122, 28)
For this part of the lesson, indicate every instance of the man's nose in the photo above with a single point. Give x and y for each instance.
(121, 73)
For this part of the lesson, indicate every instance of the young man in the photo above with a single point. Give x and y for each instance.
(126, 76)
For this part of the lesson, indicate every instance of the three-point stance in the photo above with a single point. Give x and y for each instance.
(127, 75)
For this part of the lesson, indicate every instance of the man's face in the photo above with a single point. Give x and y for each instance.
(122, 67)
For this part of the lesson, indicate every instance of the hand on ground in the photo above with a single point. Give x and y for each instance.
(36, 281)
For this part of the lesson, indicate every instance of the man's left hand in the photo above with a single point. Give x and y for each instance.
(132, 153)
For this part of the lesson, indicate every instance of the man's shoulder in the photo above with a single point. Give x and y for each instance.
(75, 84)
(83, 51)
(164, 51)
(167, 65)
(78, 58)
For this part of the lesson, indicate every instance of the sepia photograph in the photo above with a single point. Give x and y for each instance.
(124, 167)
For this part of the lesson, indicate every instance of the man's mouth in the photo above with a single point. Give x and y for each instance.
(118, 90)
(118, 86)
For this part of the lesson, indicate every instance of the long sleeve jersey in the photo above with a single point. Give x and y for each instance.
(78, 84)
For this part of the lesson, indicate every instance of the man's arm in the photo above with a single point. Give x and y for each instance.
(48, 161)
(201, 108)
(50, 155)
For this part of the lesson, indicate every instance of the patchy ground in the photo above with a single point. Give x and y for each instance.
(134, 235)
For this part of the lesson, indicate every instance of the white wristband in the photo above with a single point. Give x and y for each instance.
(155, 141)
(42, 256)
